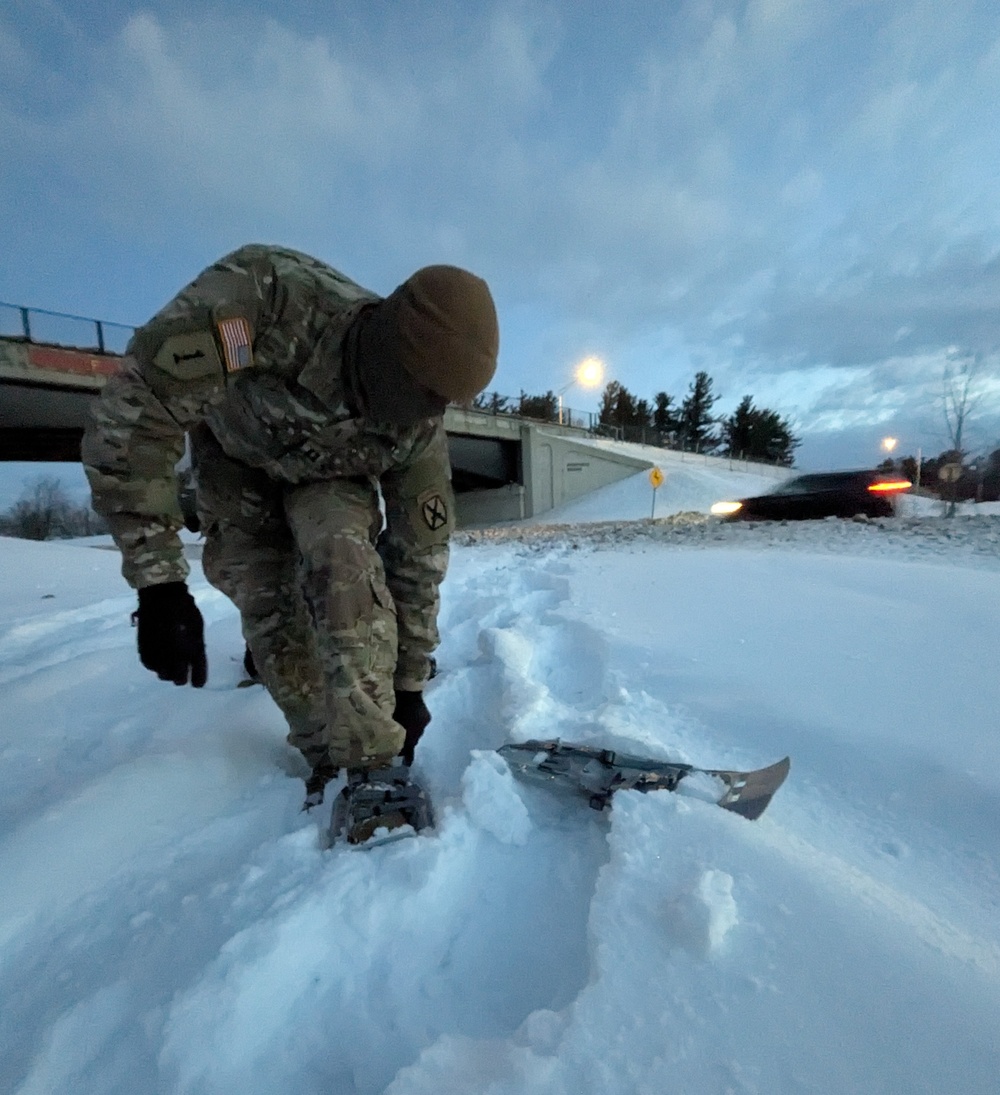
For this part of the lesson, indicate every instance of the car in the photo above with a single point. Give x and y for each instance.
(820, 494)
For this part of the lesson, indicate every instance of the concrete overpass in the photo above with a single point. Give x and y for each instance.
(505, 468)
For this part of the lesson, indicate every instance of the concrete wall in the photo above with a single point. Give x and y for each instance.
(557, 465)
(559, 468)
(489, 507)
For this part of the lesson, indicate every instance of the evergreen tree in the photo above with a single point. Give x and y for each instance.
(609, 404)
(544, 407)
(665, 420)
(493, 402)
(755, 433)
(991, 477)
(738, 428)
(696, 419)
(620, 408)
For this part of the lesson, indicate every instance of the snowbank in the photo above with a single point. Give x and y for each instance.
(171, 923)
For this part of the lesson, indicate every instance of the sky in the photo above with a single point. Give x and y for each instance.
(800, 198)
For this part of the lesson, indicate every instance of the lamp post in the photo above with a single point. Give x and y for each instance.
(588, 374)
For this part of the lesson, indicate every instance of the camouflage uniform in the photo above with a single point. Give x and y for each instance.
(248, 361)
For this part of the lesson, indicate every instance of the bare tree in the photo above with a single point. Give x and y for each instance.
(45, 512)
(962, 395)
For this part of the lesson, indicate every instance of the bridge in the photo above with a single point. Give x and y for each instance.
(53, 365)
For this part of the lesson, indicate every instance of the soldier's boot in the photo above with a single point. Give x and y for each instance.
(381, 799)
(322, 773)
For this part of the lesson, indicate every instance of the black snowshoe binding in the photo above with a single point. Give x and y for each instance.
(323, 772)
(251, 676)
(380, 805)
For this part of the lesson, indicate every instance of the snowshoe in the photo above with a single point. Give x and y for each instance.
(598, 773)
(383, 801)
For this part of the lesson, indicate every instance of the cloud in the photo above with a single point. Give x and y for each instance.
(14, 62)
(226, 121)
(870, 316)
(776, 187)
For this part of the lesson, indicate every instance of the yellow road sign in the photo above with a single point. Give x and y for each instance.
(656, 478)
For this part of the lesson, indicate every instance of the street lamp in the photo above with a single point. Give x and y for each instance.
(588, 374)
(889, 443)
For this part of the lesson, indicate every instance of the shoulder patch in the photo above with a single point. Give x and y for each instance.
(236, 340)
(192, 355)
(431, 515)
(433, 510)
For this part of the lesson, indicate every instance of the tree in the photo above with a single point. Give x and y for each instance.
(665, 420)
(45, 512)
(643, 413)
(962, 394)
(609, 413)
(618, 406)
(493, 402)
(991, 477)
(544, 407)
(948, 491)
(696, 419)
(756, 433)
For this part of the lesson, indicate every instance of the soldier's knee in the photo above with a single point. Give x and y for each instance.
(338, 583)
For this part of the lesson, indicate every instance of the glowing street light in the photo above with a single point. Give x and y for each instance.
(889, 443)
(588, 374)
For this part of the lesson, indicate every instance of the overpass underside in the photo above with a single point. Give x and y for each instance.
(504, 468)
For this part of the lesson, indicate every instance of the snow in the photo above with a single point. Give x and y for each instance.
(170, 922)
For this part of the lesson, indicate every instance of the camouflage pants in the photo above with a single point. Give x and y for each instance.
(300, 564)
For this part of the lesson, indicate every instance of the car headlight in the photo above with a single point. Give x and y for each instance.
(725, 509)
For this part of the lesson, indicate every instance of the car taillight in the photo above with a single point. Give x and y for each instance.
(890, 486)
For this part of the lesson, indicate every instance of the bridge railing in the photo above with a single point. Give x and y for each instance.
(63, 329)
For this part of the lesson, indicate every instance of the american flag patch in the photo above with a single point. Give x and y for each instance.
(236, 343)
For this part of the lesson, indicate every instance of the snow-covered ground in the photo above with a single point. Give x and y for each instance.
(169, 922)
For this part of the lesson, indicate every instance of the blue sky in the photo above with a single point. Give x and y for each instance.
(801, 198)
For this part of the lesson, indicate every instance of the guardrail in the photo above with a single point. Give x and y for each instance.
(63, 329)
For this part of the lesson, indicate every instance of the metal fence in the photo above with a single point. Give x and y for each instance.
(582, 420)
(62, 329)
(589, 422)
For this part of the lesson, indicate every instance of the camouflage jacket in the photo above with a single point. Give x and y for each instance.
(253, 347)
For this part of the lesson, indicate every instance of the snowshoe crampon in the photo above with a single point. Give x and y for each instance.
(599, 773)
(377, 806)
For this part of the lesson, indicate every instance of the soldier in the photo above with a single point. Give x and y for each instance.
(304, 397)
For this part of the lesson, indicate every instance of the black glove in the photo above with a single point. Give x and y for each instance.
(172, 634)
(411, 713)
